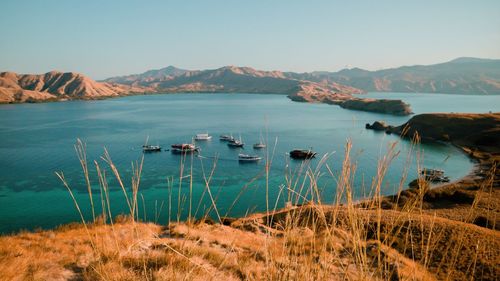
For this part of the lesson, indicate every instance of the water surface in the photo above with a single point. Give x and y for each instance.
(37, 139)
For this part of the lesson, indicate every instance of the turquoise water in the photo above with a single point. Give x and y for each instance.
(37, 139)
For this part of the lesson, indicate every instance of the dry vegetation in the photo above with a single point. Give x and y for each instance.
(449, 233)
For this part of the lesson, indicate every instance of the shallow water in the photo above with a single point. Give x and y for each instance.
(37, 139)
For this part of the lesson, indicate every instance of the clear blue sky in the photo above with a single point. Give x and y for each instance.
(107, 38)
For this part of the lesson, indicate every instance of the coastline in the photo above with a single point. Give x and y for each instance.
(477, 137)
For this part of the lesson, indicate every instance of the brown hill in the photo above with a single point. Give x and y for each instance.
(55, 86)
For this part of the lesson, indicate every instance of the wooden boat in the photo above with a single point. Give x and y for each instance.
(235, 143)
(184, 148)
(202, 137)
(226, 138)
(248, 158)
(302, 154)
(151, 148)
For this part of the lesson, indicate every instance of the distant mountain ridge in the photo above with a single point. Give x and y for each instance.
(162, 74)
(460, 76)
(234, 79)
(463, 75)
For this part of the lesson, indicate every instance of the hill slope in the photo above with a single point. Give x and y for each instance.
(55, 86)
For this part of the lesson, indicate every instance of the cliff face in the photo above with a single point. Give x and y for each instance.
(55, 86)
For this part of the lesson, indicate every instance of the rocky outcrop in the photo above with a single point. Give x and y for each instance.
(379, 126)
(395, 107)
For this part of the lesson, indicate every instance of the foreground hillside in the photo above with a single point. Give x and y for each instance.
(445, 233)
(52, 86)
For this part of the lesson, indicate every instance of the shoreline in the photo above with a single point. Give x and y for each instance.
(477, 136)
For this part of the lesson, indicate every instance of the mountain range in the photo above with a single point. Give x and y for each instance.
(459, 76)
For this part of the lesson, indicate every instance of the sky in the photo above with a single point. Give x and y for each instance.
(117, 37)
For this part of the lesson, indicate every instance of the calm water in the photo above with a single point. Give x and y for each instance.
(37, 139)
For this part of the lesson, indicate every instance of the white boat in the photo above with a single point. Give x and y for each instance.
(259, 145)
(248, 158)
(151, 148)
(202, 137)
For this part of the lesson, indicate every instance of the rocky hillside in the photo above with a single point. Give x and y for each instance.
(55, 86)
(459, 76)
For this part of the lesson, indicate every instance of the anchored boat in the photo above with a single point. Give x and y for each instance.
(202, 137)
(235, 143)
(248, 158)
(151, 148)
(184, 148)
(302, 154)
(260, 144)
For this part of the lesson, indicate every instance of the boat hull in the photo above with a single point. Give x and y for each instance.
(302, 154)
